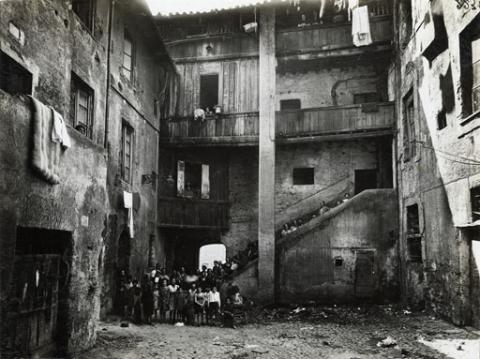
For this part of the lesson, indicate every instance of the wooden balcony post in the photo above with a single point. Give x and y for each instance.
(266, 177)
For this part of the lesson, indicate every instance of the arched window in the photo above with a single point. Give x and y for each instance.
(210, 253)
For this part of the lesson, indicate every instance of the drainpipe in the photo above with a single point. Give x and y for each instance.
(109, 46)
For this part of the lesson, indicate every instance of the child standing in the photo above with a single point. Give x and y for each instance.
(214, 304)
(172, 290)
(200, 301)
(163, 300)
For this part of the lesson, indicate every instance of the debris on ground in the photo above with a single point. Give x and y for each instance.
(387, 342)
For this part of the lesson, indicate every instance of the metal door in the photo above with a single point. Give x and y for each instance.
(34, 304)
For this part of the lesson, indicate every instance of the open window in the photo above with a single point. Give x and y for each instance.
(470, 67)
(414, 237)
(475, 200)
(304, 176)
(14, 78)
(126, 152)
(85, 10)
(291, 104)
(208, 92)
(193, 180)
(409, 145)
(81, 106)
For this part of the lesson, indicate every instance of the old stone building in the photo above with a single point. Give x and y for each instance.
(102, 67)
(271, 124)
(335, 162)
(434, 83)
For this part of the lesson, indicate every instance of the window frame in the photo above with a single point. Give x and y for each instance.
(413, 238)
(409, 126)
(201, 98)
(128, 132)
(77, 86)
(89, 23)
(128, 72)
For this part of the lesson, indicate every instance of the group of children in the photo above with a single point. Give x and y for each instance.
(178, 298)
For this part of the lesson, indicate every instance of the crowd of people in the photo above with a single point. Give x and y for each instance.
(292, 226)
(179, 297)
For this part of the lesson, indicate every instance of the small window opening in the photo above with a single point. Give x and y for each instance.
(14, 78)
(292, 104)
(367, 97)
(475, 198)
(128, 56)
(304, 176)
(193, 180)
(414, 237)
(338, 262)
(208, 92)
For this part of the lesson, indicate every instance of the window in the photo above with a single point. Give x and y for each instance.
(293, 104)
(128, 56)
(208, 91)
(304, 176)
(409, 145)
(14, 78)
(366, 97)
(81, 106)
(85, 11)
(470, 67)
(365, 179)
(126, 152)
(407, 23)
(414, 237)
(193, 180)
(475, 199)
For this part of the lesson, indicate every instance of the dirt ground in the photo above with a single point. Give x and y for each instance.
(340, 333)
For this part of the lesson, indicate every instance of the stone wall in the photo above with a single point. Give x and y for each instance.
(438, 179)
(54, 44)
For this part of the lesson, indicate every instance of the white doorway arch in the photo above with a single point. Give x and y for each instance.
(210, 253)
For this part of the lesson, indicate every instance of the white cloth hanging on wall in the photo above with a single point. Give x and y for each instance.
(361, 26)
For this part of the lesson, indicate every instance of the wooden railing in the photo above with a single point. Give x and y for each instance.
(327, 120)
(331, 36)
(243, 127)
(192, 213)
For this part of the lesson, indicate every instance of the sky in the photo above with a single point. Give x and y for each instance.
(165, 7)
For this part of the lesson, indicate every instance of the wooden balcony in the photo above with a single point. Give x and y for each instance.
(192, 213)
(327, 41)
(293, 125)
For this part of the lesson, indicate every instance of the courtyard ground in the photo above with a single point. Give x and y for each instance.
(334, 332)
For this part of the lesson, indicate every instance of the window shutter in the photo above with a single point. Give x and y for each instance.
(180, 178)
(205, 182)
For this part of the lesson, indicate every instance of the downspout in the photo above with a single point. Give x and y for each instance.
(109, 46)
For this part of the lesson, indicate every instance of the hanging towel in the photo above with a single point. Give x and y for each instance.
(128, 204)
(45, 152)
(361, 26)
(59, 130)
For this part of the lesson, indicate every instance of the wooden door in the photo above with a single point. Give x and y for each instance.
(34, 305)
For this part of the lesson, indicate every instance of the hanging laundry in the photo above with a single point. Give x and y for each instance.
(361, 26)
(45, 152)
(323, 6)
(59, 130)
(128, 204)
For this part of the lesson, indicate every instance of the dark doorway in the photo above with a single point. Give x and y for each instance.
(208, 91)
(123, 254)
(364, 274)
(365, 179)
(38, 300)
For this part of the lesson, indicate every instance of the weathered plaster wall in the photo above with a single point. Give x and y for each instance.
(56, 43)
(331, 86)
(365, 223)
(31, 202)
(132, 101)
(439, 178)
